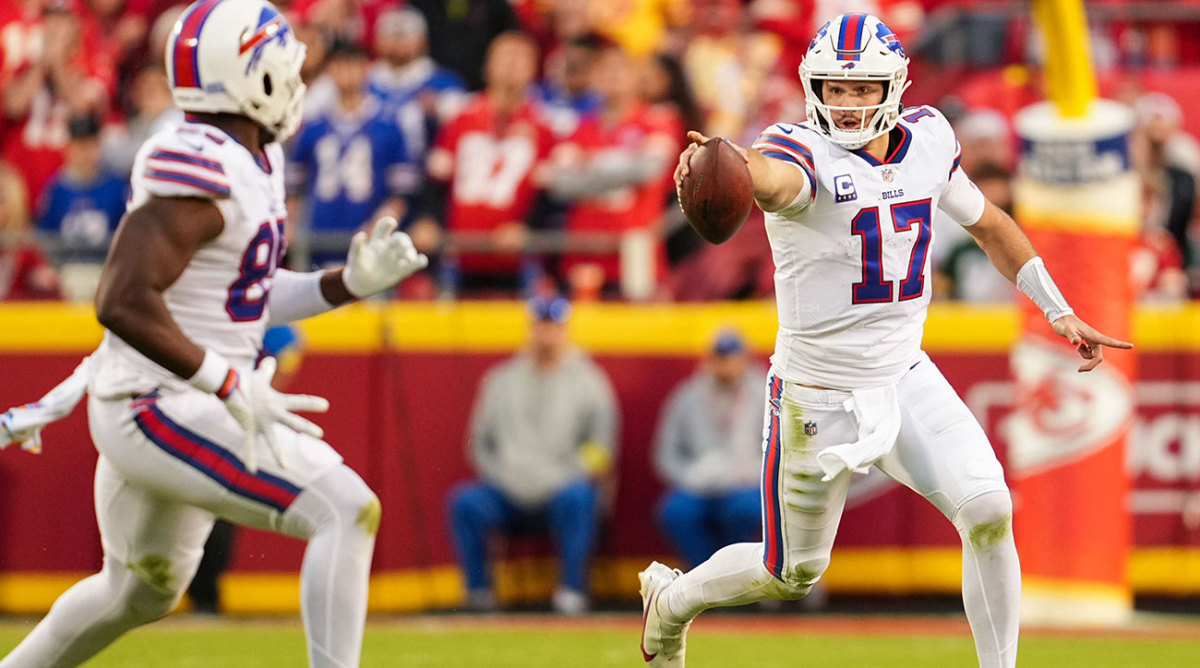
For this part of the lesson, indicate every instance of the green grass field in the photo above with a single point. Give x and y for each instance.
(611, 640)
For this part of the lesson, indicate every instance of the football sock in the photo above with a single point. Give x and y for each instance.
(991, 577)
(337, 566)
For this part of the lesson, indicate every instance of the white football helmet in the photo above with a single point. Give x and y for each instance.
(239, 57)
(855, 47)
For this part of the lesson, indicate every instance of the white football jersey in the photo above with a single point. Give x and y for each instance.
(220, 299)
(852, 269)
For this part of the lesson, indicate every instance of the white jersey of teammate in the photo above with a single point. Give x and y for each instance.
(852, 253)
(220, 300)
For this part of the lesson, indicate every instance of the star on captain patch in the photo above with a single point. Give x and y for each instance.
(889, 174)
(810, 428)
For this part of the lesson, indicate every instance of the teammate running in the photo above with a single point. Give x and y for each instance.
(186, 428)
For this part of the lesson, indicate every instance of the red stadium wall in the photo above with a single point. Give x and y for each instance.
(399, 412)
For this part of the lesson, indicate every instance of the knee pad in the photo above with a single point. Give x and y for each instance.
(798, 578)
(341, 498)
(985, 520)
(150, 587)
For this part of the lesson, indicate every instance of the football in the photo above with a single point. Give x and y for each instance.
(716, 195)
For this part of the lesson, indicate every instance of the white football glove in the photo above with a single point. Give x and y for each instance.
(383, 260)
(23, 424)
(258, 407)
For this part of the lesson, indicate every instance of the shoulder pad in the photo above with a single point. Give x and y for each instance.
(185, 161)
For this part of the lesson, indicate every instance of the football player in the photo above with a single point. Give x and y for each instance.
(849, 196)
(187, 429)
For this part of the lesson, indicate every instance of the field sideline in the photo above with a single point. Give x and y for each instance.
(765, 641)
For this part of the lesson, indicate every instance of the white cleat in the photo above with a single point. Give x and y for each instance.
(663, 642)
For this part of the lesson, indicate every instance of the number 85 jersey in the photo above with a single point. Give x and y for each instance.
(852, 260)
(220, 299)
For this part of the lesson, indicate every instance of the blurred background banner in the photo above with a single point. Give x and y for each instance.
(409, 440)
(1077, 198)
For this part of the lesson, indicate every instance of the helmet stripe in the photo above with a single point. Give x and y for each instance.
(186, 67)
(850, 37)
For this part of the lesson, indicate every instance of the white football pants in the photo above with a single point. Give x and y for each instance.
(941, 453)
(165, 471)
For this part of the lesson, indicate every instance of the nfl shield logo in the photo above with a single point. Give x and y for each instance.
(810, 428)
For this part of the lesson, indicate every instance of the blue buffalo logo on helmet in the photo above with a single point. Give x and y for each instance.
(820, 34)
(888, 37)
(271, 27)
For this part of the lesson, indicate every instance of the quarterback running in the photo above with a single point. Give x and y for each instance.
(849, 197)
(187, 428)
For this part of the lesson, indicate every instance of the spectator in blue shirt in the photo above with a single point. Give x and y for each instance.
(425, 94)
(81, 206)
(351, 162)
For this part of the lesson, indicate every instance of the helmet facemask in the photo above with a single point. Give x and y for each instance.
(874, 119)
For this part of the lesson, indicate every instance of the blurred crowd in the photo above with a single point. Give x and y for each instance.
(527, 145)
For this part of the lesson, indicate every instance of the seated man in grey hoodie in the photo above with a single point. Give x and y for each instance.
(542, 436)
(709, 451)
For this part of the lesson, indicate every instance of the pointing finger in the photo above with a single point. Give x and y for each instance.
(384, 228)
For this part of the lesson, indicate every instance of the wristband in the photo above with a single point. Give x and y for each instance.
(1035, 282)
(215, 375)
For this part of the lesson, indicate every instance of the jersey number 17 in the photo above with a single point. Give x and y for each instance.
(873, 289)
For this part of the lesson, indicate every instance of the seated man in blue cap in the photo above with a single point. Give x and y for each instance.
(542, 436)
(708, 450)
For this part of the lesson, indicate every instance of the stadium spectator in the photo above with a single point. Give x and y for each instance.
(151, 109)
(614, 170)
(426, 94)
(1164, 157)
(81, 206)
(565, 95)
(49, 75)
(728, 65)
(708, 450)
(964, 272)
(542, 436)
(986, 140)
(460, 32)
(25, 273)
(350, 163)
(484, 179)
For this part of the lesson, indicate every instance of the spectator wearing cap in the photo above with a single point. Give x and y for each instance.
(425, 94)
(708, 450)
(351, 162)
(81, 207)
(542, 437)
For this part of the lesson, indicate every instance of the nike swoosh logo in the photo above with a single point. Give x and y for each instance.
(646, 615)
(196, 147)
(786, 131)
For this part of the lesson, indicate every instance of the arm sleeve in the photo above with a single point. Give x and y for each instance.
(296, 296)
(961, 199)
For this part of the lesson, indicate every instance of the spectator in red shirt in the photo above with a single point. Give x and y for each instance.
(614, 171)
(46, 81)
(483, 172)
(25, 273)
